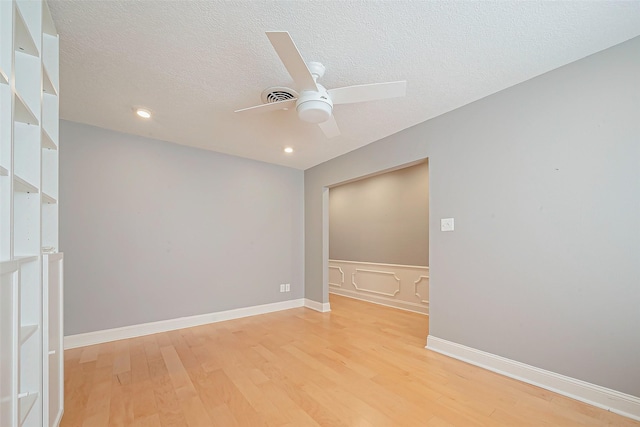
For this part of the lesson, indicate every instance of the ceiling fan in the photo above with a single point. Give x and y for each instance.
(314, 103)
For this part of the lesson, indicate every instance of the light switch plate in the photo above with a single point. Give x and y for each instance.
(446, 224)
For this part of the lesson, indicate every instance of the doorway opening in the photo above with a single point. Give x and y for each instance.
(378, 239)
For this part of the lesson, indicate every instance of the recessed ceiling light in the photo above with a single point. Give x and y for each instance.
(145, 114)
(288, 150)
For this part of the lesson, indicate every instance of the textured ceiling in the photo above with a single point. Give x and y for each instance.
(194, 62)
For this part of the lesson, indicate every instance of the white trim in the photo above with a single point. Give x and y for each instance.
(416, 288)
(380, 172)
(605, 398)
(55, 256)
(399, 304)
(8, 267)
(388, 273)
(423, 267)
(98, 337)
(339, 285)
(317, 306)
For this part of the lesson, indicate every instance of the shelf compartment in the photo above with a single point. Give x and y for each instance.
(50, 63)
(49, 225)
(26, 401)
(49, 117)
(6, 236)
(48, 199)
(28, 80)
(23, 40)
(30, 350)
(47, 82)
(49, 173)
(27, 207)
(27, 152)
(23, 113)
(6, 41)
(48, 27)
(47, 141)
(8, 303)
(3, 171)
(22, 186)
(6, 122)
(26, 332)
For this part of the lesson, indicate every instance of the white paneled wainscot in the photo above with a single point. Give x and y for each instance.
(400, 286)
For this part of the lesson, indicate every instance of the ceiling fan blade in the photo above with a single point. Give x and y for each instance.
(368, 92)
(330, 128)
(292, 60)
(270, 106)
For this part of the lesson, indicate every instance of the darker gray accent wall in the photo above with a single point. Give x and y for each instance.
(543, 180)
(154, 231)
(383, 218)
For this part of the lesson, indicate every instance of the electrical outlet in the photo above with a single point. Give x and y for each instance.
(287, 287)
(282, 287)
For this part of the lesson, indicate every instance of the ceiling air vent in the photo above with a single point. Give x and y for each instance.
(275, 94)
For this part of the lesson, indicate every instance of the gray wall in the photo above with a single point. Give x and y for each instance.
(543, 180)
(154, 231)
(383, 218)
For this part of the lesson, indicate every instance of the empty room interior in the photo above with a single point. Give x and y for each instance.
(286, 213)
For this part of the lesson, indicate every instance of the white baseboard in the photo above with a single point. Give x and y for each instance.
(402, 305)
(317, 306)
(605, 398)
(98, 337)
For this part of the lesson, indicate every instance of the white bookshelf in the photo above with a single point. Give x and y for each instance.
(31, 370)
(53, 338)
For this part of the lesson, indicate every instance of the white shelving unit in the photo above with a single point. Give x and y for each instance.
(31, 353)
(53, 339)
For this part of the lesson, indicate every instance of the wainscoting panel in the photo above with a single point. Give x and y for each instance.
(375, 281)
(400, 286)
(336, 276)
(422, 289)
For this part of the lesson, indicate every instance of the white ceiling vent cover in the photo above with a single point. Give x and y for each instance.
(278, 93)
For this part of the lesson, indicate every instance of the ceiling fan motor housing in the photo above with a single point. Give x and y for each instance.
(314, 107)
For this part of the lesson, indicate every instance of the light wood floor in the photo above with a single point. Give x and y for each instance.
(360, 365)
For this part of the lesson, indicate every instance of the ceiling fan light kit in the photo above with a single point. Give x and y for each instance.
(314, 107)
(315, 103)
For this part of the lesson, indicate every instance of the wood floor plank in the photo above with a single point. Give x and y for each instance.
(223, 417)
(98, 403)
(144, 401)
(195, 412)
(179, 376)
(359, 365)
(221, 389)
(89, 354)
(122, 359)
(255, 395)
(148, 421)
(167, 402)
(121, 405)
